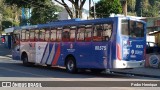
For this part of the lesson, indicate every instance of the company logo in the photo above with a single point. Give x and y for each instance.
(153, 61)
(132, 52)
(71, 46)
(127, 43)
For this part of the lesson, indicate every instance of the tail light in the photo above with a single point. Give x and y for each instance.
(119, 56)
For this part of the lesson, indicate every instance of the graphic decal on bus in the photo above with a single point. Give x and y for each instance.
(57, 55)
(40, 51)
(45, 54)
(52, 53)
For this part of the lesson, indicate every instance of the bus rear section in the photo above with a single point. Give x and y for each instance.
(131, 43)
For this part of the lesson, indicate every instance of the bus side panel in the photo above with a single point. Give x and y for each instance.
(29, 48)
(100, 56)
(67, 48)
(84, 57)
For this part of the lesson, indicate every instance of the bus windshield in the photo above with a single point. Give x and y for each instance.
(132, 28)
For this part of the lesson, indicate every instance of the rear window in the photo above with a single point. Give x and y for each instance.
(132, 28)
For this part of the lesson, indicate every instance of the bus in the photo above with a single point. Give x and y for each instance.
(99, 44)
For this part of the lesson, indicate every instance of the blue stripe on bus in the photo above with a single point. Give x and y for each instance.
(44, 52)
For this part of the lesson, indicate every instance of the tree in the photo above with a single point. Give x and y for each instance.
(105, 7)
(9, 15)
(131, 5)
(45, 14)
(78, 6)
(147, 8)
(42, 10)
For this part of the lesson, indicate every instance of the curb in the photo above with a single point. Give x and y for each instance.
(137, 74)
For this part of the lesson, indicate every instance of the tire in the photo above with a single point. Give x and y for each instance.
(71, 65)
(25, 60)
(49, 66)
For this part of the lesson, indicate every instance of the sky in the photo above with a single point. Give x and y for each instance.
(86, 5)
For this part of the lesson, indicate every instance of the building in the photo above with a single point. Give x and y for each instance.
(153, 28)
(64, 15)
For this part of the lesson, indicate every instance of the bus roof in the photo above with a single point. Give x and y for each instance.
(74, 22)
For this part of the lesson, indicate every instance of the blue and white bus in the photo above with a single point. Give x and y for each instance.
(99, 44)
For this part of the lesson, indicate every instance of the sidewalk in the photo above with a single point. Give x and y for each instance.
(148, 72)
(4, 52)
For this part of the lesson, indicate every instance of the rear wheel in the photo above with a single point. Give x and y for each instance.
(71, 65)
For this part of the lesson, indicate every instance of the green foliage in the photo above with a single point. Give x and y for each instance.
(131, 5)
(7, 24)
(45, 14)
(148, 8)
(42, 10)
(105, 7)
(26, 3)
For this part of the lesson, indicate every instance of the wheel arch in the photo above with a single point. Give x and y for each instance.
(23, 54)
(69, 55)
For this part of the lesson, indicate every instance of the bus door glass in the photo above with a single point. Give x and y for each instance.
(133, 40)
(16, 45)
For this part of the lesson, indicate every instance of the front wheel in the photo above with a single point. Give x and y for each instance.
(25, 60)
(71, 65)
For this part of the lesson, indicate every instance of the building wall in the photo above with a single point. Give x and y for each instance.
(64, 15)
(153, 28)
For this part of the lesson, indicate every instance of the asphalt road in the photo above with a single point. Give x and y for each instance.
(11, 70)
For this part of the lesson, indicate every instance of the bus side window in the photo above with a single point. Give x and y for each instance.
(80, 34)
(88, 33)
(47, 35)
(36, 38)
(53, 35)
(72, 33)
(41, 35)
(27, 35)
(59, 34)
(107, 32)
(31, 38)
(23, 36)
(98, 33)
(66, 34)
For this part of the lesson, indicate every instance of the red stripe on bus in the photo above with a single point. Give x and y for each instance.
(58, 52)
